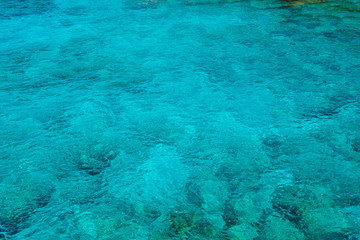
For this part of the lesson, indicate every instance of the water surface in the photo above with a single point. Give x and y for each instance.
(178, 120)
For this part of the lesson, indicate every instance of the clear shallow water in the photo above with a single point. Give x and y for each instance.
(124, 120)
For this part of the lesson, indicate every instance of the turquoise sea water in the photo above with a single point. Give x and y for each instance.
(140, 120)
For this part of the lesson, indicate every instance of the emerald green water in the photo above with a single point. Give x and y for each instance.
(179, 120)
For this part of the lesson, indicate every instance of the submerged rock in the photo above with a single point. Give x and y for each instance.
(272, 145)
(301, 2)
(326, 222)
(94, 162)
(13, 8)
(214, 194)
(210, 1)
(334, 236)
(311, 209)
(356, 145)
(138, 4)
(19, 198)
(278, 228)
(185, 225)
(243, 231)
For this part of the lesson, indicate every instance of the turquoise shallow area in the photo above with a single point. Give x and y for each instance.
(177, 119)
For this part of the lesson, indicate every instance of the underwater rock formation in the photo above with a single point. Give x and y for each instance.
(279, 228)
(209, 1)
(312, 210)
(137, 4)
(96, 159)
(158, 180)
(14, 8)
(19, 198)
(301, 2)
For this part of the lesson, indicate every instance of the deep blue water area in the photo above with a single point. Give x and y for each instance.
(179, 119)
